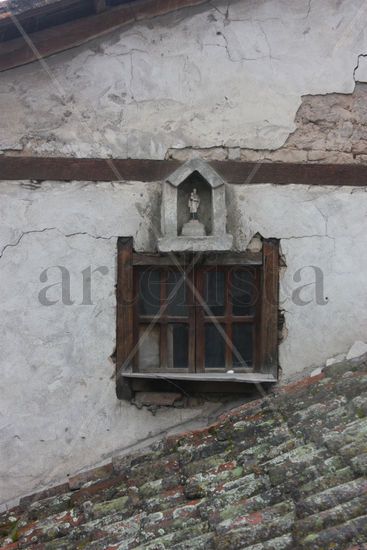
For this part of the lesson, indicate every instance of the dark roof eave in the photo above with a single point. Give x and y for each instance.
(65, 24)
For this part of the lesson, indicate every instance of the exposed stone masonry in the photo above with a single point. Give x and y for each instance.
(284, 472)
(331, 128)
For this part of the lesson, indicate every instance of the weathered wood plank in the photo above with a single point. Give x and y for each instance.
(49, 41)
(193, 387)
(171, 259)
(269, 307)
(235, 172)
(72, 169)
(125, 312)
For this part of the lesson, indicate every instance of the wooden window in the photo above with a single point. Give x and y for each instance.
(164, 328)
(227, 316)
(197, 314)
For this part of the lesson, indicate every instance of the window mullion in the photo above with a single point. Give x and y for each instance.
(228, 322)
(198, 282)
(190, 282)
(163, 321)
(257, 323)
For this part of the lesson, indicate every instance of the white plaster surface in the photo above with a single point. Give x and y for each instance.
(201, 77)
(320, 227)
(59, 410)
(359, 348)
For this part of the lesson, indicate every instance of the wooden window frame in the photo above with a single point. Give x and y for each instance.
(227, 320)
(163, 320)
(266, 323)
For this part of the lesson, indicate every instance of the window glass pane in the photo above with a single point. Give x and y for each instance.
(149, 347)
(176, 294)
(214, 286)
(149, 292)
(178, 346)
(244, 292)
(242, 353)
(214, 347)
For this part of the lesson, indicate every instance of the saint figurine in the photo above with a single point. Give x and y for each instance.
(193, 228)
(194, 203)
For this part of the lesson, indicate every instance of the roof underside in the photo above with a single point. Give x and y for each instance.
(36, 15)
(285, 472)
(30, 29)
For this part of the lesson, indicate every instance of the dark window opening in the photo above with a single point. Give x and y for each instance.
(198, 320)
(212, 317)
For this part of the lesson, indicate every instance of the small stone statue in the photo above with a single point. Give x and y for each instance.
(193, 228)
(194, 203)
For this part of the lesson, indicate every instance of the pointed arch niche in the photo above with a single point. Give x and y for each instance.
(212, 214)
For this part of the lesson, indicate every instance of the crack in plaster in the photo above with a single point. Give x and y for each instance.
(11, 245)
(309, 7)
(266, 39)
(223, 14)
(241, 58)
(308, 237)
(226, 21)
(97, 237)
(325, 218)
(66, 235)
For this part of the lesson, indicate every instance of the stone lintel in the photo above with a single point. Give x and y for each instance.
(215, 243)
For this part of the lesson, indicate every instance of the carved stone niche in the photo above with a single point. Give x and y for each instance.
(194, 212)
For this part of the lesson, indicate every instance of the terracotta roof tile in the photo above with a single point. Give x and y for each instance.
(284, 472)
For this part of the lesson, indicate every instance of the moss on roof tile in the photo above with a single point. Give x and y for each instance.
(286, 472)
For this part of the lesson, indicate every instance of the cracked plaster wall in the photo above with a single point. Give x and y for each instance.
(59, 409)
(213, 76)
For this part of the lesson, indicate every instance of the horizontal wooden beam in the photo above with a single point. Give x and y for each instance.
(236, 172)
(49, 41)
(241, 259)
(65, 169)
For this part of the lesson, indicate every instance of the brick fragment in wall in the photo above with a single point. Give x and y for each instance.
(330, 128)
(332, 122)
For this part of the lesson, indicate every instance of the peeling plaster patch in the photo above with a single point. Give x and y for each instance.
(282, 329)
(360, 71)
(330, 128)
